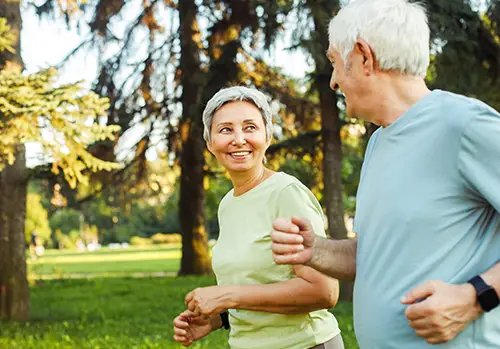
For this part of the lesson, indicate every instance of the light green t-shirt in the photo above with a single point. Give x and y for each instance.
(242, 256)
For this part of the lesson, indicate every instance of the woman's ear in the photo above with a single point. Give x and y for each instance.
(269, 141)
(209, 146)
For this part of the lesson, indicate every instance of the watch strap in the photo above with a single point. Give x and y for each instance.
(487, 297)
(225, 320)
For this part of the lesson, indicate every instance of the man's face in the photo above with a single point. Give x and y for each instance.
(349, 79)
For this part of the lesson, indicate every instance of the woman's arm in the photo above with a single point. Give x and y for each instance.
(308, 291)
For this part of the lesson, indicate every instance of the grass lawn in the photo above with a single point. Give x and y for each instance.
(117, 312)
(106, 262)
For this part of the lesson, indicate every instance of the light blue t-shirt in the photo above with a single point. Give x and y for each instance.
(427, 209)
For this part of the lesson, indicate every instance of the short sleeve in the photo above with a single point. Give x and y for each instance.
(479, 156)
(372, 143)
(296, 200)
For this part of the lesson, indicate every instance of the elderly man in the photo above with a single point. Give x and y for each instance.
(426, 259)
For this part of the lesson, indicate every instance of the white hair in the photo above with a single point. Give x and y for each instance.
(237, 93)
(396, 30)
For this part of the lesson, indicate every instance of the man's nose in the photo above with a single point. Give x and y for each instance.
(333, 83)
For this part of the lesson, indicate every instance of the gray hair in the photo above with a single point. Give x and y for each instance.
(396, 30)
(237, 93)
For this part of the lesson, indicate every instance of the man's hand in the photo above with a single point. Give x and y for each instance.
(208, 301)
(188, 329)
(293, 241)
(439, 311)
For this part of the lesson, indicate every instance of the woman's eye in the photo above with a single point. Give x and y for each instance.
(225, 129)
(251, 127)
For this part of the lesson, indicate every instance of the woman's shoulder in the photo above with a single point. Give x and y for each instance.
(289, 183)
(225, 199)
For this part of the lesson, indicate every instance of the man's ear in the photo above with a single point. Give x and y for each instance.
(368, 56)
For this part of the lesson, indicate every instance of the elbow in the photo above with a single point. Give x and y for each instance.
(333, 299)
(331, 294)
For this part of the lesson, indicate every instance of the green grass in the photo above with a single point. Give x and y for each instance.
(118, 312)
(113, 313)
(106, 262)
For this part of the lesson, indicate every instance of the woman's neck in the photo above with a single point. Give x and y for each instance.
(245, 181)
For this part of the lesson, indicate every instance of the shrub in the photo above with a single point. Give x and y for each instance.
(160, 238)
(139, 241)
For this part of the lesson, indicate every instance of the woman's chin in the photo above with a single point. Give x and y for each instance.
(239, 167)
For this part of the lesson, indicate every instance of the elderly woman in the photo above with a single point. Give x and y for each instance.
(265, 305)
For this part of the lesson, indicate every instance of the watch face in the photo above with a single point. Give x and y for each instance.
(488, 299)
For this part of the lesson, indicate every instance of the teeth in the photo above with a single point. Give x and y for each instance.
(241, 153)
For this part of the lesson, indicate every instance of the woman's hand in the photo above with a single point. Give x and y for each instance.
(188, 328)
(209, 301)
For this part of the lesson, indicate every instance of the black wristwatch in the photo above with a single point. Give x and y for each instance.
(486, 295)
(225, 319)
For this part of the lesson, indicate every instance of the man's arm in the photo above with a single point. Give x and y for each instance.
(439, 311)
(335, 258)
(294, 242)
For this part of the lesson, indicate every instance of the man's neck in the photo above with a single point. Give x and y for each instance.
(399, 94)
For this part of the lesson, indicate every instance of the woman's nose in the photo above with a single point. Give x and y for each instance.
(239, 139)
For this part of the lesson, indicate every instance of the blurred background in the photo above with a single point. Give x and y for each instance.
(108, 196)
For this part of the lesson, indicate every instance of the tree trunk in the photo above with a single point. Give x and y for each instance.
(198, 88)
(333, 200)
(330, 122)
(195, 254)
(14, 292)
(332, 161)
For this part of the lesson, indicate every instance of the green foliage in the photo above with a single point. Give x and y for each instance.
(160, 239)
(66, 220)
(67, 116)
(463, 37)
(100, 212)
(7, 38)
(301, 169)
(217, 187)
(140, 241)
(36, 218)
(64, 241)
(116, 313)
(89, 233)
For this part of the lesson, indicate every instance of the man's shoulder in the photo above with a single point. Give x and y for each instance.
(372, 142)
(455, 107)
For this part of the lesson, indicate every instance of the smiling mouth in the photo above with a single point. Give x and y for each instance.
(240, 154)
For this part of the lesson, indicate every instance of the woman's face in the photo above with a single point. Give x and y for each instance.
(238, 136)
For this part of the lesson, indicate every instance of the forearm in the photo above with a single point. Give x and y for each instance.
(335, 258)
(295, 296)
